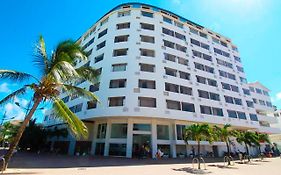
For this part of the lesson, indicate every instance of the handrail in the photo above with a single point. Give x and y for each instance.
(198, 160)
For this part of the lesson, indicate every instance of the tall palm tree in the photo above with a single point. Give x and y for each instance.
(199, 132)
(262, 138)
(248, 138)
(224, 133)
(58, 72)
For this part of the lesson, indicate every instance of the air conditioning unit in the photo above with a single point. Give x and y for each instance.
(136, 109)
(125, 109)
(137, 17)
(166, 93)
(136, 90)
(164, 61)
(137, 73)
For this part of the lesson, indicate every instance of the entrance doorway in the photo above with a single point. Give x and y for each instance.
(142, 146)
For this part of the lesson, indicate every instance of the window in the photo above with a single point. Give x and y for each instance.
(206, 109)
(212, 82)
(182, 61)
(232, 114)
(262, 102)
(203, 94)
(172, 87)
(162, 132)
(116, 101)
(147, 39)
(147, 67)
(227, 75)
(201, 55)
(184, 75)
(149, 84)
(223, 43)
(243, 80)
(268, 104)
(119, 83)
(250, 104)
(168, 20)
(76, 108)
(204, 67)
(170, 57)
(169, 44)
(101, 131)
(221, 52)
(147, 102)
(147, 52)
(104, 21)
(259, 91)
(180, 25)
(117, 149)
(120, 52)
(147, 14)
(99, 58)
(101, 34)
(208, 95)
(224, 63)
(180, 36)
(217, 111)
(88, 43)
(233, 100)
(118, 130)
(237, 59)
(181, 48)
(141, 127)
(119, 67)
(265, 93)
(123, 26)
(200, 44)
(171, 72)
(91, 104)
(194, 31)
(187, 107)
(255, 100)
(185, 90)
(168, 31)
(215, 40)
(180, 132)
(208, 81)
(234, 48)
(173, 105)
(242, 115)
(200, 79)
(122, 38)
(147, 26)
(65, 99)
(252, 89)
(254, 117)
(95, 87)
(240, 69)
(101, 45)
(214, 96)
(246, 91)
(124, 13)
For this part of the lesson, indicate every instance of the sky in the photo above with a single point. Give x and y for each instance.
(253, 25)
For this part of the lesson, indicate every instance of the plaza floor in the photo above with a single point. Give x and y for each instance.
(28, 164)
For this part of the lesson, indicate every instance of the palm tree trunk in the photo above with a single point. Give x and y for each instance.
(248, 153)
(16, 140)
(228, 152)
(199, 164)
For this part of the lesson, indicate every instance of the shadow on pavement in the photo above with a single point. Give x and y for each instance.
(193, 171)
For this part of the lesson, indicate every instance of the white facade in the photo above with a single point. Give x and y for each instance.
(153, 73)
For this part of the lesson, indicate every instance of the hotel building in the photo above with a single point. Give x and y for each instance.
(158, 73)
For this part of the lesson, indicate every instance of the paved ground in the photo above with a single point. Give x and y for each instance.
(28, 164)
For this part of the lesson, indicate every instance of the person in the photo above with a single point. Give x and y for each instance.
(193, 152)
(159, 154)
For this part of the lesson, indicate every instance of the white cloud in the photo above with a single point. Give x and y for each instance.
(177, 2)
(14, 111)
(278, 96)
(4, 87)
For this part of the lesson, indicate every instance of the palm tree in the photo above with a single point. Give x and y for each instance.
(58, 72)
(224, 133)
(248, 138)
(262, 138)
(7, 132)
(199, 132)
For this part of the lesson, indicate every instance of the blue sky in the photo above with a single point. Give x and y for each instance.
(253, 25)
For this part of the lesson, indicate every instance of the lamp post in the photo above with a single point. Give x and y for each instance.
(28, 107)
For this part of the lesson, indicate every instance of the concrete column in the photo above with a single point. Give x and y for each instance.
(71, 147)
(172, 140)
(129, 139)
(154, 138)
(95, 131)
(107, 137)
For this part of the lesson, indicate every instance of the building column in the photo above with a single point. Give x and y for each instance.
(173, 151)
(154, 138)
(107, 138)
(93, 147)
(71, 148)
(129, 139)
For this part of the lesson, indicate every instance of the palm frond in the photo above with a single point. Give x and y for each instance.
(77, 127)
(88, 73)
(63, 72)
(11, 96)
(40, 58)
(80, 92)
(15, 75)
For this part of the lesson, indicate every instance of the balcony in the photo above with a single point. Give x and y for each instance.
(269, 130)
(269, 119)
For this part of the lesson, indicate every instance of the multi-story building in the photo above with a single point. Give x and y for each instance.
(159, 73)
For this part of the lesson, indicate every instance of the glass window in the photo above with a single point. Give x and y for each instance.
(99, 58)
(117, 149)
(217, 112)
(119, 67)
(180, 132)
(168, 20)
(118, 130)
(91, 104)
(101, 34)
(187, 107)
(242, 115)
(116, 101)
(162, 132)
(141, 127)
(147, 39)
(101, 45)
(149, 84)
(101, 131)
(95, 87)
(147, 14)
(123, 26)
(173, 105)
(124, 13)
(119, 83)
(147, 67)
(172, 87)
(147, 26)
(185, 90)
(232, 114)
(203, 94)
(205, 109)
(147, 52)
(254, 117)
(147, 102)
(122, 38)
(246, 91)
(120, 52)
